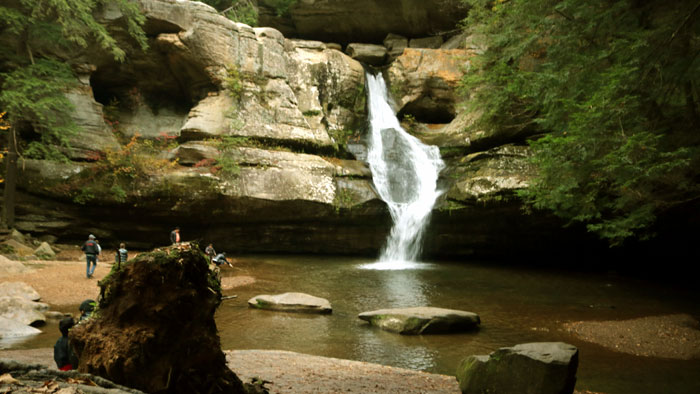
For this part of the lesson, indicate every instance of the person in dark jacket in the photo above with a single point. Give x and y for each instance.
(62, 352)
(91, 250)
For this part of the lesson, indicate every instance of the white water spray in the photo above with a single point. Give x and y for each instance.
(405, 173)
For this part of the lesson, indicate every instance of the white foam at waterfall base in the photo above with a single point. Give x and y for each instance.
(405, 173)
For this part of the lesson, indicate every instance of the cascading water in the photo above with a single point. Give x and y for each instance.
(405, 173)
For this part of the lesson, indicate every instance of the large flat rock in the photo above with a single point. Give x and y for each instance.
(422, 320)
(529, 368)
(10, 328)
(19, 289)
(291, 302)
(23, 310)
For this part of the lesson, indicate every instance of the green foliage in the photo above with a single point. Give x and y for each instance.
(341, 137)
(232, 83)
(227, 160)
(118, 172)
(34, 85)
(614, 83)
(243, 11)
(34, 94)
(281, 7)
(311, 113)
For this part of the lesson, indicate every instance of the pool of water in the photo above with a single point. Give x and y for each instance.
(515, 306)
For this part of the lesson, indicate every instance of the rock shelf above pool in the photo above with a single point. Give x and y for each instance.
(422, 320)
(291, 302)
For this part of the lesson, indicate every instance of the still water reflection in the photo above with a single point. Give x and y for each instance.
(515, 306)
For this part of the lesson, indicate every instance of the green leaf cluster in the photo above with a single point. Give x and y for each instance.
(34, 75)
(35, 94)
(615, 87)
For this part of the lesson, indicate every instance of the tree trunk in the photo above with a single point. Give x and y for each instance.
(8, 213)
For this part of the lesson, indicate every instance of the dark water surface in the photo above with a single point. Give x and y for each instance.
(515, 305)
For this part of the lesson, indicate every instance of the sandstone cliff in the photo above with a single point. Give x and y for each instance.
(254, 141)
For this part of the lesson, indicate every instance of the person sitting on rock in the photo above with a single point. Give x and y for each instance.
(221, 259)
(62, 352)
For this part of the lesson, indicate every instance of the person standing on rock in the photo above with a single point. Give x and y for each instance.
(175, 236)
(91, 249)
(62, 352)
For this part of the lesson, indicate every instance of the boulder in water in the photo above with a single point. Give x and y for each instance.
(530, 368)
(155, 330)
(291, 302)
(422, 320)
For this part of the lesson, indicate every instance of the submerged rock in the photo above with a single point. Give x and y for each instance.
(530, 368)
(291, 302)
(155, 329)
(422, 320)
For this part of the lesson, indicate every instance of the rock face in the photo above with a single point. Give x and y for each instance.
(288, 117)
(156, 329)
(530, 368)
(364, 20)
(422, 320)
(291, 302)
(423, 83)
(367, 53)
(19, 289)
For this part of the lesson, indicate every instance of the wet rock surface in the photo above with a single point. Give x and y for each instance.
(422, 320)
(291, 302)
(155, 328)
(530, 368)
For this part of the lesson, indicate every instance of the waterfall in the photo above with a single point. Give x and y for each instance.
(405, 173)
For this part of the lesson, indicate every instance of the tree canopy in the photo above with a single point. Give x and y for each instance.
(611, 90)
(35, 76)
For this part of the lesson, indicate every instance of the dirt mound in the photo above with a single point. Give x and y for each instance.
(155, 328)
